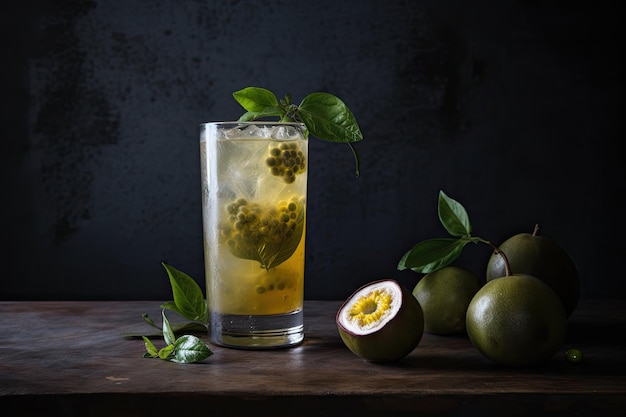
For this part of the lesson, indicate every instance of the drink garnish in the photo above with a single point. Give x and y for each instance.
(325, 115)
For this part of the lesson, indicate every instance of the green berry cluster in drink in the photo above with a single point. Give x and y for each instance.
(286, 160)
(263, 231)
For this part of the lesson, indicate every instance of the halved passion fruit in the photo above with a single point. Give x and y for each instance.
(381, 321)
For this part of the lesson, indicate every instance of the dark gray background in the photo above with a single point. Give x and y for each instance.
(511, 107)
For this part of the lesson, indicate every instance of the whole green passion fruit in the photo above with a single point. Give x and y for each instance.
(516, 320)
(381, 321)
(444, 296)
(542, 258)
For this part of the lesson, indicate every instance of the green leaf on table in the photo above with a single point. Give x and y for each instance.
(166, 352)
(430, 255)
(189, 300)
(148, 320)
(189, 327)
(453, 216)
(168, 333)
(190, 303)
(189, 349)
(185, 349)
(177, 328)
(151, 350)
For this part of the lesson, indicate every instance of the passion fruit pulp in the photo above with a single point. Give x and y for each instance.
(381, 321)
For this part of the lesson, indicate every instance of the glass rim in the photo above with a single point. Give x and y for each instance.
(254, 122)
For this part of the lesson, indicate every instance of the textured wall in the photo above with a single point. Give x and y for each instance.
(509, 107)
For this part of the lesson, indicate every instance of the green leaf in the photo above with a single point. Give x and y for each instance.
(453, 216)
(271, 252)
(149, 320)
(431, 255)
(168, 333)
(274, 254)
(178, 328)
(166, 352)
(266, 112)
(170, 305)
(325, 116)
(328, 118)
(190, 349)
(188, 298)
(190, 303)
(151, 350)
(190, 327)
(255, 99)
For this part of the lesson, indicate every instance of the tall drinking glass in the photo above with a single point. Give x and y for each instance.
(254, 185)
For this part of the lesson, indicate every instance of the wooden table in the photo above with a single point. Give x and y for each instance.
(71, 359)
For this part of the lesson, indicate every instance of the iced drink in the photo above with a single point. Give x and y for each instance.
(254, 184)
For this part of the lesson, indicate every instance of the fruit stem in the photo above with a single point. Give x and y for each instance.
(507, 268)
(536, 230)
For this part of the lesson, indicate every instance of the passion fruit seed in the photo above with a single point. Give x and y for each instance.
(286, 160)
(371, 308)
(280, 283)
(381, 321)
(574, 355)
(252, 223)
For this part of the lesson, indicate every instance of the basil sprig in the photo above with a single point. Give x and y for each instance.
(190, 303)
(185, 349)
(325, 116)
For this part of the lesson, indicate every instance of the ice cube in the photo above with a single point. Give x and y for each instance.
(284, 132)
(239, 133)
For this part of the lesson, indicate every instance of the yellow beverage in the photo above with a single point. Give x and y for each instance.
(254, 181)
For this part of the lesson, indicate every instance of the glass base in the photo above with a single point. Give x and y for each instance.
(257, 332)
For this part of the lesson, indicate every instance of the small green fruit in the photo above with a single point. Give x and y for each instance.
(574, 355)
(516, 320)
(444, 296)
(542, 258)
(381, 321)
